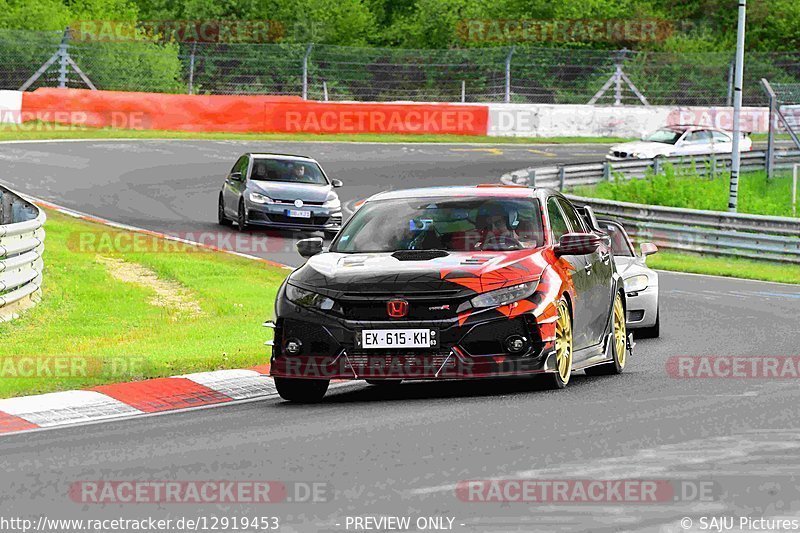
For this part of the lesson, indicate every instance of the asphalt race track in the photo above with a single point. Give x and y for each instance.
(401, 452)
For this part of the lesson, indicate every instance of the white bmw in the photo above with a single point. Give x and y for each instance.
(641, 282)
(677, 141)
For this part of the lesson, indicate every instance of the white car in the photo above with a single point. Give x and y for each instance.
(677, 141)
(641, 282)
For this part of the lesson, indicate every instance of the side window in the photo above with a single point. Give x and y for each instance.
(720, 137)
(241, 165)
(572, 217)
(699, 137)
(557, 223)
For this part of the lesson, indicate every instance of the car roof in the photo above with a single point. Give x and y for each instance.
(691, 127)
(488, 191)
(283, 157)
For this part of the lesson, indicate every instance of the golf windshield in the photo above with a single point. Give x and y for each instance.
(664, 136)
(454, 224)
(288, 171)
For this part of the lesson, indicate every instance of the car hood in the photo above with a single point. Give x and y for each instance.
(292, 191)
(469, 272)
(631, 266)
(644, 147)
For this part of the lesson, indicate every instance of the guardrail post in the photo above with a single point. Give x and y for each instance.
(6, 208)
(507, 98)
(562, 174)
(305, 71)
(657, 166)
(191, 68)
(606, 171)
(532, 178)
(713, 166)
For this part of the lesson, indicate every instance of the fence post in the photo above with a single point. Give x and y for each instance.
(305, 71)
(561, 177)
(532, 178)
(771, 137)
(606, 171)
(729, 101)
(325, 90)
(656, 166)
(508, 75)
(63, 59)
(463, 91)
(191, 68)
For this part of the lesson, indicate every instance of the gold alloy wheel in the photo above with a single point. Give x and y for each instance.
(619, 332)
(563, 342)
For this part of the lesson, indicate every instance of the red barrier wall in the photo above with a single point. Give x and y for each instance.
(246, 113)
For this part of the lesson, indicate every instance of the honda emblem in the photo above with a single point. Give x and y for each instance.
(397, 308)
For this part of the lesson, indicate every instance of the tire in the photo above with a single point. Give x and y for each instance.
(302, 390)
(564, 344)
(652, 332)
(619, 343)
(241, 218)
(221, 218)
(386, 383)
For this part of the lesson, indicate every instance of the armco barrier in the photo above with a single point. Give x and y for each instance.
(709, 232)
(21, 248)
(267, 114)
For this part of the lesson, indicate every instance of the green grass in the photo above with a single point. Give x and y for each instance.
(88, 315)
(684, 188)
(42, 130)
(724, 266)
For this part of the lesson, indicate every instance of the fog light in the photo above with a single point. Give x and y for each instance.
(515, 343)
(293, 346)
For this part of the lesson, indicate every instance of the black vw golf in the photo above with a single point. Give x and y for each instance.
(451, 282)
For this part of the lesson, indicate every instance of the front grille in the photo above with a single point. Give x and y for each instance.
(418, 308)
(401, 364)
(291, 202)
(283, 219)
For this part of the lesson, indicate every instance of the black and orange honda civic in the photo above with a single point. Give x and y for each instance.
(451, 283)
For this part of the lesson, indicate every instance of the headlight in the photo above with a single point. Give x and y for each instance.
(332, 202)
(257, 198)
(310, 299)
(504, 296)
(636, 283)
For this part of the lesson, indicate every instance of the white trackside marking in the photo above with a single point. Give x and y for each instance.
(58, 408)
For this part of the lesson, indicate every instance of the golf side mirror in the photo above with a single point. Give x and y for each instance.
(337, 183)
(236, 176)
(648, 248)
(577, 244)
(309, 247)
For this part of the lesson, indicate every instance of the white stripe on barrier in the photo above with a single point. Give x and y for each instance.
(10, 107)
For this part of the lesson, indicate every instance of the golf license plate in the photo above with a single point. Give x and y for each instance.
(298, 214)
(398, 338)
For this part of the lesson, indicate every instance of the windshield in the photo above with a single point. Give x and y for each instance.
(619, 240)
(664, 136)
(287, 171)
(453, 224)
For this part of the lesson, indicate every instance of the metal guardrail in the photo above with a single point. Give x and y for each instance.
(708, 232)
(562, 176)
(21, 248)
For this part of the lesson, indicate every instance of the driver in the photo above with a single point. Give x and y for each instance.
(496, 228)
(298, 171)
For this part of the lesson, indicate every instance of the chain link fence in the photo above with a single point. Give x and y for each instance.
(498, 74)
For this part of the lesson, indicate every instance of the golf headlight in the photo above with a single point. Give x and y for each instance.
(504, 296)
(332, 202)
(310, 299)
(257, 198)
(635, 283)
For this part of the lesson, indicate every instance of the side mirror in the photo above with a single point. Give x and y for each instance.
(577, 244)
(337, 183)
(236, 176)
(648, 248)
(309, 247)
